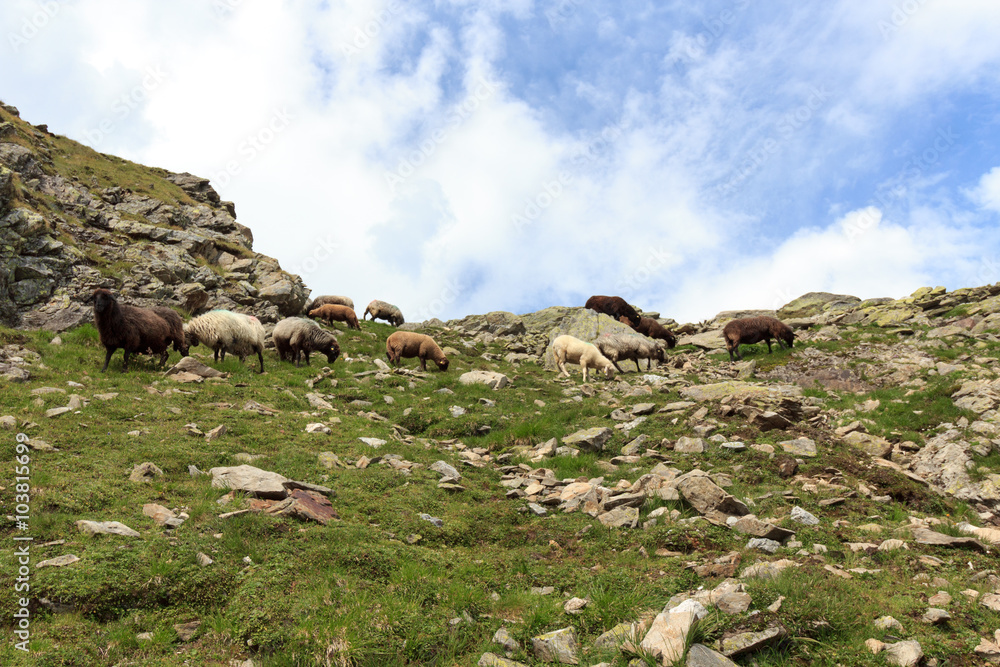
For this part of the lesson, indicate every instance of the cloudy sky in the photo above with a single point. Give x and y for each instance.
(458, 157)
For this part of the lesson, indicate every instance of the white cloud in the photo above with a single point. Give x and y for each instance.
(987, 192)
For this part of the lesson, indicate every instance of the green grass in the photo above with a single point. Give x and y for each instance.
(357, 591)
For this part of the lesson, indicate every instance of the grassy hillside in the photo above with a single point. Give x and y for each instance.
(382, 586)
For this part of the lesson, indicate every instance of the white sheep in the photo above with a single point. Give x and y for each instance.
(383, 311)
(621, 346)
(226, 331)
(575, 351)
(323, 300)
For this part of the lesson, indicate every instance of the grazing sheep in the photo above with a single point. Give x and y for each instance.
(135, 330)
(335, 313)
(616, 307)
(176, 328)
(575, 351)
(619, 347)
(296, 336)
(653, 329)
(226, 331)
(384, 311)
(749, 330)
(323, 300)
(407, 344)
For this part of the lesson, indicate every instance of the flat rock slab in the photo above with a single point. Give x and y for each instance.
(251, 480)
(700, 655)
(493, 660)
(195, 367)
(799, 447)
(930, 537)
(668, 634)
(590, 439)
(105, 528)
(751, 525)
(58, 561)
(622, 517)
(309, 506)
(748, 642)
(721, 390)
(489, 378)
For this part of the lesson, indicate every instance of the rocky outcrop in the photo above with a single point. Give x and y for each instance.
(150, 235)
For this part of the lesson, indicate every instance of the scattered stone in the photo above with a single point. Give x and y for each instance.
(493, 660)
(145, 472)
(557, 646)
(700, 655)
(686, 445)
(58, 561)
(589, 440)
(105, 528)
(799, 515)
(904, 653)
(800, 447)
(248, 479)
(373, 442)
(161, 515)
(503, 638)
(318, 428)
(204, 560)
(186, 631)
(575, 605)
(433, 519)
(935, 616)
(491, 379)
(748, 642)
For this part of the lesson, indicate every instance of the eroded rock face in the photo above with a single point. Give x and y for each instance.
(186, 248)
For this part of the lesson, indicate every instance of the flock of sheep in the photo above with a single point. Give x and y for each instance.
(153, 330)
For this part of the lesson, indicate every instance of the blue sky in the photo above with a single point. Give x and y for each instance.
(459, 157)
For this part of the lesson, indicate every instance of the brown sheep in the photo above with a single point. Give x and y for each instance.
(295, 336)
(383, 311)
(176, 328)
(750, 330)
(653, 329)
(616, 307)
(331, 313)
(135, 330)
(407, 344)
(323, 300)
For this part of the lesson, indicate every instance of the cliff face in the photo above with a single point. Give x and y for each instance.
(73, 220)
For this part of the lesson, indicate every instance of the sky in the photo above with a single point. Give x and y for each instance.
(459, 157)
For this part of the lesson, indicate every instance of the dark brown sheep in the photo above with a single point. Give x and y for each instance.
(407, 344)
(296, 336)
(134, 330)
(616, 307)
(331, 313)
(653, 329)
(176, 328)
(750, 330)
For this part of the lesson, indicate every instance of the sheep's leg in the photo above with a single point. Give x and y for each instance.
(107, 358)
(768, 340)
(125, 363)
(583, 365)
(423, 363)
(617, 367)
(306, 353)
(260, 355)
(638, 368)
(163, 358)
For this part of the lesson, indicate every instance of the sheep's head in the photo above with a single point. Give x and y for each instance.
(103, 300)
(314, 313)
(332, 351)
(190, 339)
(609, 372)
(671, 340)
(442, 364)
(397, 320)
(788, 336)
